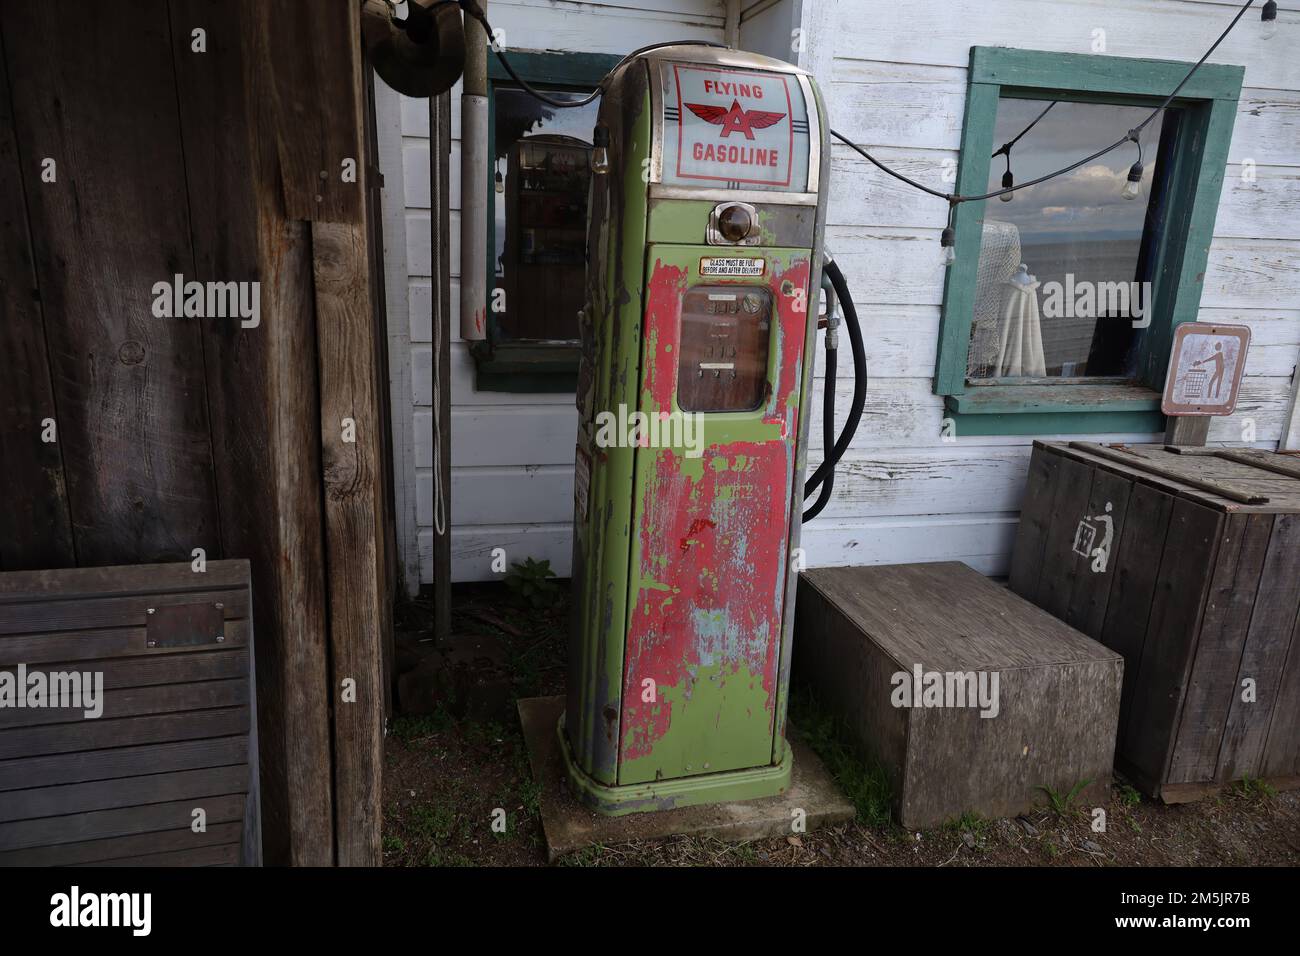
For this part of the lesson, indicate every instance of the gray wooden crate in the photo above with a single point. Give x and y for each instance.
(177, 730)
(1199, 590)
(1058, 691)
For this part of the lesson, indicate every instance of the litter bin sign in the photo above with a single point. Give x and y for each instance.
(1206, 368)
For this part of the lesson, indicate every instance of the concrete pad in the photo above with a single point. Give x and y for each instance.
(570, 826)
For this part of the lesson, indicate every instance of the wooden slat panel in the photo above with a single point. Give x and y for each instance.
(96, 734)
(117, 762)
(1218, 651)
(1282, 748)
(1061, 566)
(34, 525)
(91, 645)
(137, 701)
(48, 616)
(190, 668)
(39, 802)
(129, 387)
(100, 824)
(65, 584)
(1035, 520)
(116, 848)
(1136, 568)
(1265, 653)
(1176, 605)
(226, 855)
(1090, 594)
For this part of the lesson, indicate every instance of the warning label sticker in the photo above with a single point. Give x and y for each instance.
(743, 128)
(732, 266)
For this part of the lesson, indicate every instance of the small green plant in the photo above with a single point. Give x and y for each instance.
(1129, 796)
(533, 582)
(1257, 789)
(393, 844)
(1063, 806)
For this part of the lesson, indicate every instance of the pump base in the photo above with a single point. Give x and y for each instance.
(728, 787)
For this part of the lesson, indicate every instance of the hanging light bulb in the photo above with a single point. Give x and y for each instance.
(948, 246)
(1133, 188)
(1007, 182)
(501, 183)
(1268, 21)
(600, 150)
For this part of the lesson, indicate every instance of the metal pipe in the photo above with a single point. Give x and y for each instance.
(474, 168)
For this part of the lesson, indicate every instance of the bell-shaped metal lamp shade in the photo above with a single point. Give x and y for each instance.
(423, 55)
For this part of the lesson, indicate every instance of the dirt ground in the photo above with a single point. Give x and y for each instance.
(445, 779)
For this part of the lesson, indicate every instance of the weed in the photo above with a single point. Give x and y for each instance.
(1063, 806)
(1256, 789)
(1129, 796)
(533, 583)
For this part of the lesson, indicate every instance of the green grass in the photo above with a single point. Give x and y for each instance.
(408, 729)
(1256, 789)
(864, 783)
(1063, 804)
(1129, 796)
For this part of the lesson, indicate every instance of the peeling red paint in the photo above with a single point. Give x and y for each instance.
(717, 596)
(698, 525)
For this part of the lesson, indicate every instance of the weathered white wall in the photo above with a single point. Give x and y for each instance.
(511, 454)
(894, 76)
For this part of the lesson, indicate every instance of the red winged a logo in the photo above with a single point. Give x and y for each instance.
(735, 120)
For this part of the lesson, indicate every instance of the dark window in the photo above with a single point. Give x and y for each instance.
(542, 175)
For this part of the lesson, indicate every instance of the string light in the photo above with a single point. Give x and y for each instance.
(1268, 20)
(948, 239)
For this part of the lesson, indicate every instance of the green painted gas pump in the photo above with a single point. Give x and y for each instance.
(704, 268)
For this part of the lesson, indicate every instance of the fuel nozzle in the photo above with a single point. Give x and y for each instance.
(832, 318)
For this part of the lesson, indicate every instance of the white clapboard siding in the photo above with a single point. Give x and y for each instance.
(894, 75)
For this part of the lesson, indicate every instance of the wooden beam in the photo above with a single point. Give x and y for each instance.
(440, 190)
(267, 385)
(351, 446)
(1291, 430)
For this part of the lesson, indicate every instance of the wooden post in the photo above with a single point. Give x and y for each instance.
(1187, 430)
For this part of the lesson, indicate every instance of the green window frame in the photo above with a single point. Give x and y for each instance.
(1194, 182)
(501, 365)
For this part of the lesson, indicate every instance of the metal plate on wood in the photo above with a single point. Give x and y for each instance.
(185, 625)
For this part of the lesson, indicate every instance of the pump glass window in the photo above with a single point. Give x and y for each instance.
(724, 346)
(542, 175)
(1064, 285)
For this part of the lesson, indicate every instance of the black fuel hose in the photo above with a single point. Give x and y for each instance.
(828, 432)
(824, 475)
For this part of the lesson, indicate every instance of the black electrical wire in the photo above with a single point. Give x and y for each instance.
(472, 9)
(858, 348)
(1131, 135)
(1005, 149)
(828, 432)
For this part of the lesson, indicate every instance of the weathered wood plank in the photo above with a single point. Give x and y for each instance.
(225, 855)
(51, 616)
(263, 389)
(137, 702)
(39, 802)
(1264, 655)
(101, 824)
(1095, 575)
(92, 645)
(350, 442)
(1137, 562)
(1175, 614)
(129, 386)
(35, 527)
(1061, 564)
(1212, 685)
(97, 734)
(106, 852)
(65, 584)
(138, 672)
(122, 761)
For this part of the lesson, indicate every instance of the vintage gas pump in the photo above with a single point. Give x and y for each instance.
(704, 268)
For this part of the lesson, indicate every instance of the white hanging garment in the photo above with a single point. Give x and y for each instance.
(1021, 354)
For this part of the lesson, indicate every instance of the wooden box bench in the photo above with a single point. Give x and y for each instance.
(1187, 562)
(175, 731)
(1057, 703)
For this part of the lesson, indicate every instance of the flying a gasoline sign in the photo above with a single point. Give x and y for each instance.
(743, 128)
